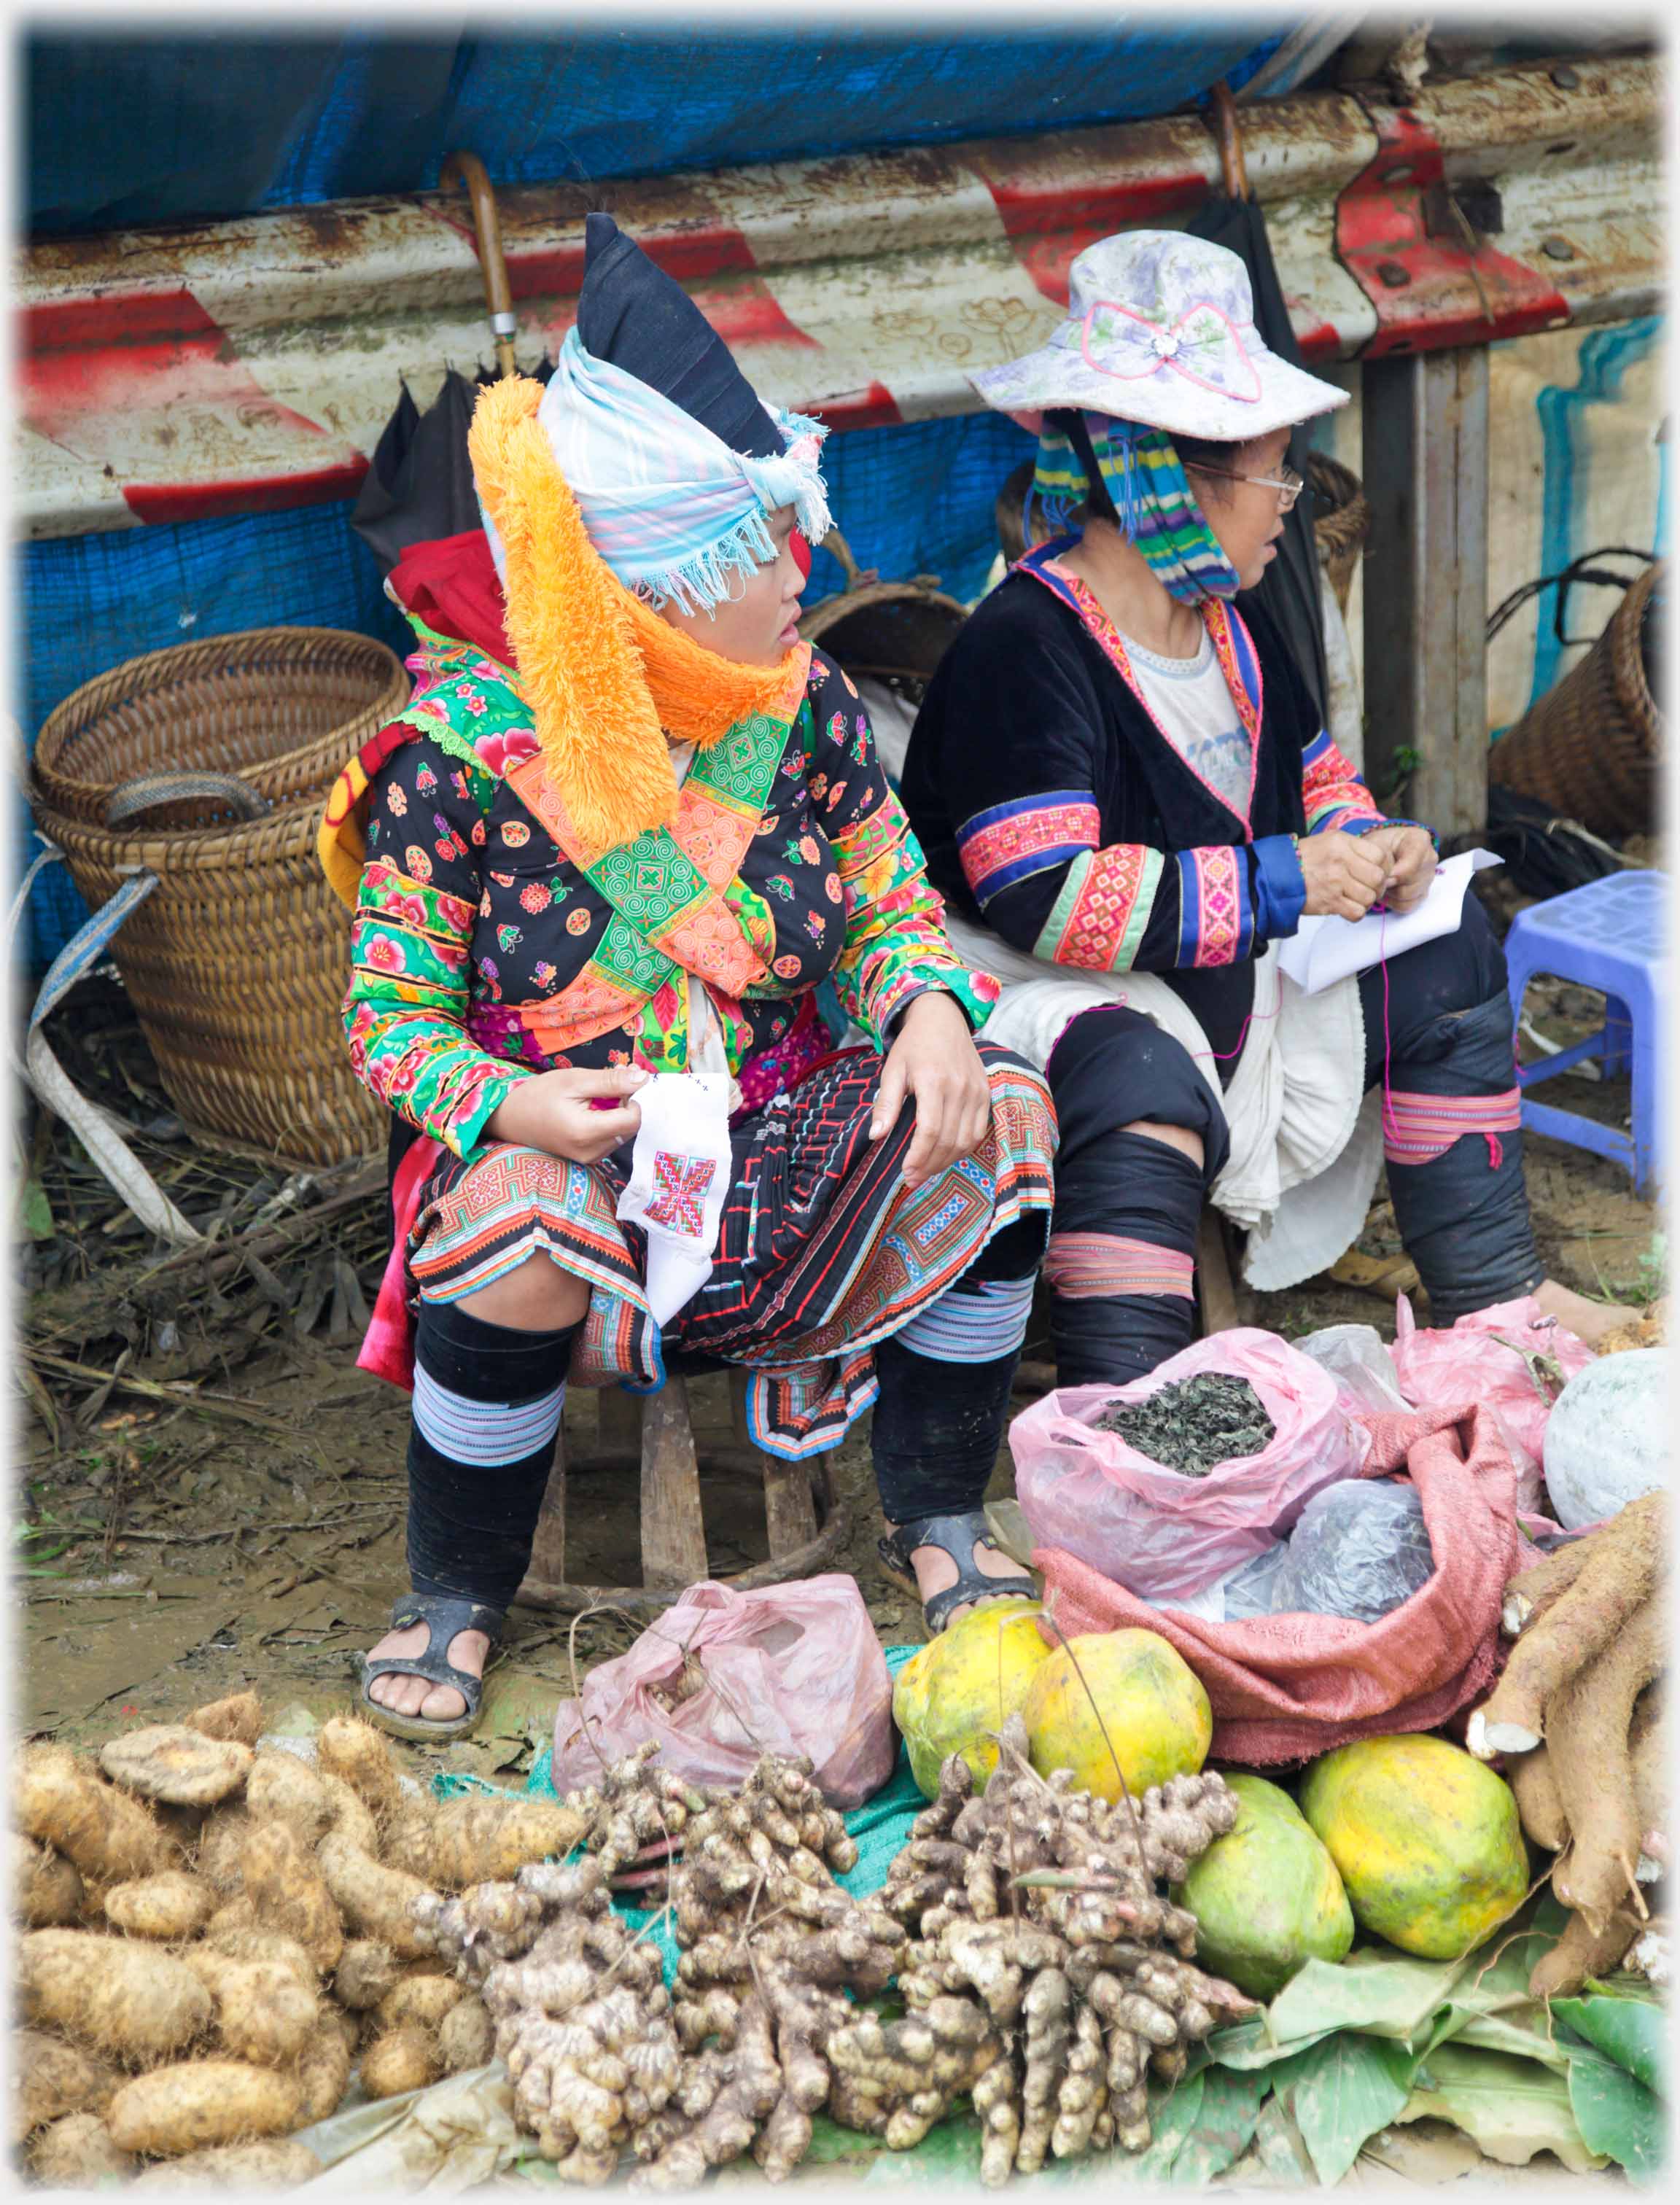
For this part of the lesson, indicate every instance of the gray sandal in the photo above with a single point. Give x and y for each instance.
(958, 1537)
(444, 1617)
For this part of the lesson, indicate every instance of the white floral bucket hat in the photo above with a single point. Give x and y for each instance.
(1161, 329)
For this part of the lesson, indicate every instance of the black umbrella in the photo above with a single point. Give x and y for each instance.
(419, 480)
(1290, 589)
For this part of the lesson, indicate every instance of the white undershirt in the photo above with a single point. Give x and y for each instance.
(1189, 699)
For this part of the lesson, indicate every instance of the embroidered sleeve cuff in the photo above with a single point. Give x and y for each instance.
(483, 1091)
(975, 993)
(1216, 913)
(1279, 887)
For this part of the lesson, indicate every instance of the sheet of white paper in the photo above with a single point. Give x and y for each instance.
(1324, 950)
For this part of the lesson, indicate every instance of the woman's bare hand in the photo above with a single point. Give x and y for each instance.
(934, 1062)
(1409, 854)
(560, 1112)
(1344, 874)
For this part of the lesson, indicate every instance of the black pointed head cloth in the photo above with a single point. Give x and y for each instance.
(633, 314)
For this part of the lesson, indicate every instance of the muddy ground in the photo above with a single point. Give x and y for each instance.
(210, 1494)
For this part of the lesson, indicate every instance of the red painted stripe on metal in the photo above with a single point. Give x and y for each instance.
(874, 409)
(161, 503)
(137, 352)
(1402, 240)
(1051, 217)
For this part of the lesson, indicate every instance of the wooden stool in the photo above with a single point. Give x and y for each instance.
(654, 1431)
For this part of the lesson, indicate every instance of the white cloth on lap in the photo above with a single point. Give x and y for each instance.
(1306, 1142)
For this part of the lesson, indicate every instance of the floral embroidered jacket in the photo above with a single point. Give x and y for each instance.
(1054, 809)
(789, 883)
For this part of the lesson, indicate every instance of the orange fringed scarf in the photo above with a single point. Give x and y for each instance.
(610, 684)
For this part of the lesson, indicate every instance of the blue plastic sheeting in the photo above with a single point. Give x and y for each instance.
(127, 130)
(910, 500)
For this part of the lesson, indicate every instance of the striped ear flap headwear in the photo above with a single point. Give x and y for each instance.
(1139, 469)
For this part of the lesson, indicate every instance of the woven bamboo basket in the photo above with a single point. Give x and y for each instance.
(1591, 748)
(281, 708)
(236, 963)
(1342, 522)
(896, 631)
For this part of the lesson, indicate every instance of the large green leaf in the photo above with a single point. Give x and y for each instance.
(1173, 2111)
(1225, 2123)
(1617, 2115)
(1383, 1993)
(1511, 2107)
(1634, 2035)
(1524, 2031)
(1341, 2092)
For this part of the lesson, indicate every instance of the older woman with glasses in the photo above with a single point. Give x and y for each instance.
(1128, 801)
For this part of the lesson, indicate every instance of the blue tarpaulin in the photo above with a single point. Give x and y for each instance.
(125, 130)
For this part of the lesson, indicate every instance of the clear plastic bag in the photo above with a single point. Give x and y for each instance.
(1359, 1550)
(1247, 1592)
(724, 1676)
(1358, 1360)
(1162, 1535)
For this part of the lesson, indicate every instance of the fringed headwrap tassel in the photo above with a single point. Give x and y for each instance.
(610, 684)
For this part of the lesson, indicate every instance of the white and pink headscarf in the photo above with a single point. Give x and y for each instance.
(672, 510)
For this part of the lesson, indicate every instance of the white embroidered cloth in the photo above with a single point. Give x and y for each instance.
(679, 1176)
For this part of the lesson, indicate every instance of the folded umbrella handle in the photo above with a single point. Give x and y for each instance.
(467, 169)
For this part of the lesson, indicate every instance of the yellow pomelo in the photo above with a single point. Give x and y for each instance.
(1127, 1691)
(1427, 1840)
(956, 1694)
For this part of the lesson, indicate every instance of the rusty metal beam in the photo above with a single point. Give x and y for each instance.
(250, 365)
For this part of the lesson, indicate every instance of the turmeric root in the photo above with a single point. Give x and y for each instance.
(1616, 1573)
(1590, 1760)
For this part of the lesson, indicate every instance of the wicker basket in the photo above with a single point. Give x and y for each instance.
(236, 962)
(1343, 521)
(896, 632)
(281, 708)
(1591, 748)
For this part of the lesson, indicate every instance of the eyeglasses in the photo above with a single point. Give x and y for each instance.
(1289, 485)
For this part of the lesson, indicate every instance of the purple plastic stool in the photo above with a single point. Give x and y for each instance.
(1613, 934)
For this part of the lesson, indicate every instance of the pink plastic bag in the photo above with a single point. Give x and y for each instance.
(1473, 1362)
(1159, 1533)
(724, 1676)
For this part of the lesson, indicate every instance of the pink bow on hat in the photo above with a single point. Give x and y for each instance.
(1136, 347)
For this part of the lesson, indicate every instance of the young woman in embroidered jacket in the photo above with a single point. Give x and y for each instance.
(1127, 800)
(630, 825)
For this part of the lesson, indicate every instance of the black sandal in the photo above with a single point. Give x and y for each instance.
(444, 1617)
(958, 1537)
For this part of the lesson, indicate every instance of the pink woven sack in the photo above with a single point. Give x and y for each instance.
(723, 1676)
(1167, 1535)
(1286, 1687)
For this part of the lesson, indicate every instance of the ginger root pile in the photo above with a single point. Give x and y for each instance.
(770, 1945)
(1577, 1717)
(212, 1931)
(1047, 1977)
